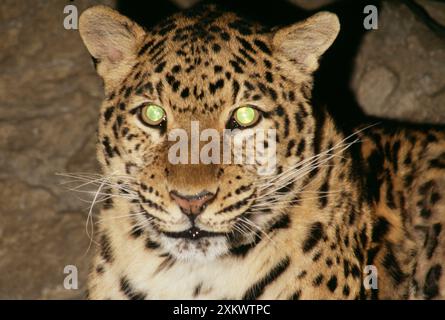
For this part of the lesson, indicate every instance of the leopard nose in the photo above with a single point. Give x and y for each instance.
(192, 205)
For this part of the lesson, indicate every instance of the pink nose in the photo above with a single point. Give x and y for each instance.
(192, 205)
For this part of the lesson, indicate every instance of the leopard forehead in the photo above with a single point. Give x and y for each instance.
(201, 62)
(204, 59)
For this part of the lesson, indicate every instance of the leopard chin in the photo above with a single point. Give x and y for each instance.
(203, 249)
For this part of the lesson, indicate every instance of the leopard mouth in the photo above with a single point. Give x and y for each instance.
(193, 233)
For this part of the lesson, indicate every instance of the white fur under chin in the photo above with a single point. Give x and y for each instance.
(201, 250)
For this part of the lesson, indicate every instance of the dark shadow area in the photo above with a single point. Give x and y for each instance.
(147, 13)
(332, 80)
(268, 12)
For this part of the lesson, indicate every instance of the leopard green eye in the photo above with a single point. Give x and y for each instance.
(246, 116)
(152, 114)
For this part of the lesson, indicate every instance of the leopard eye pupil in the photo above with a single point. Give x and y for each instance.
(154, 113)
(245, 115)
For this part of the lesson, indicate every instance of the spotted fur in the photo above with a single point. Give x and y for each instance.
(336, 202)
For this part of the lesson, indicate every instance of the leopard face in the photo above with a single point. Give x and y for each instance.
(200, 67)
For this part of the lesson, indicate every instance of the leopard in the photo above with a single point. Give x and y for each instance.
(346, 213)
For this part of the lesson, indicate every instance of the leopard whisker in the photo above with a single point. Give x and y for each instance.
(251, 223)
(122, 195)
(297, 174)
(142, 225)
(242, 231)
(98, 182)
(338, 145)
(315, 162)
(305, 161)
(268, 204)
(90, 216)
(133, 214)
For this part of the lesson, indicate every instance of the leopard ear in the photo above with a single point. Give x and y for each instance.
(303, 43)
(112, 40)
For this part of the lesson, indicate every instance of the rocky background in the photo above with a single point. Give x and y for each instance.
(49, 98)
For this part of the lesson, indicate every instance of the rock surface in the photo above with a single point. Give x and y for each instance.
(49, 98)
(400, 68)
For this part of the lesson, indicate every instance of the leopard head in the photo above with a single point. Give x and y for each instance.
(229, 77)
